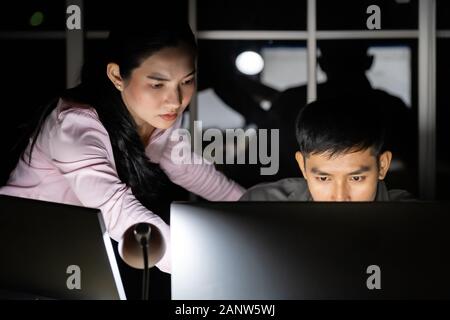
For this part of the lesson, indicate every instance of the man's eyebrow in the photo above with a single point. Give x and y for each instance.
(360, 170)
(160, 77)
(317, 171)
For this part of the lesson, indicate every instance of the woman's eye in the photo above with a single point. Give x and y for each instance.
(188, 81)
(157, 85)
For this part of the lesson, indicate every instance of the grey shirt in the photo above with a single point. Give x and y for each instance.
(296, 189)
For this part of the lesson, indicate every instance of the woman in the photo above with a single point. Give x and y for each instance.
(106, 143)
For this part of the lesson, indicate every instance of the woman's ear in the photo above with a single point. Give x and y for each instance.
(384, 164)
(113, 73)
(301, 162)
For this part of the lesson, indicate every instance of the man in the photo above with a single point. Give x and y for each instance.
(346, 64)
(341, 156)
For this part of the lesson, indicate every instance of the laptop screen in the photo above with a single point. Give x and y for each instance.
(310, 250)
(55, 251)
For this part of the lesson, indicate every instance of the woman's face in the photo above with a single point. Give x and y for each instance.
(157, 92)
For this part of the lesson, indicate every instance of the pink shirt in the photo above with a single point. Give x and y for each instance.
(73, 163)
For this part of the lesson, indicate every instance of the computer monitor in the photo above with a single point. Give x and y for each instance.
(55, 251)
(309, 250)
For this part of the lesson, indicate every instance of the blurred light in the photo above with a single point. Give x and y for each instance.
(265, 104)
(249, 62)
(36, 19)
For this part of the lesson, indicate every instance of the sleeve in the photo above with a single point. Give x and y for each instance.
(199, 176)
(79, 149)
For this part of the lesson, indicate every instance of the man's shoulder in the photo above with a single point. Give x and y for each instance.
(383, 194)
(400, 195)
(289, 189)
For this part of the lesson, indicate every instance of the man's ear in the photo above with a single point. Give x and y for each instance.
(384, 164)
(113, 73)
(301, 162)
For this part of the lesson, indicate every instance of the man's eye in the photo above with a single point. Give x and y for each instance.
(322, 179)
(157, 85)
(357, 178)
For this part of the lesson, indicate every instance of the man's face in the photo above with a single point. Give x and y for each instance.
(350, 176)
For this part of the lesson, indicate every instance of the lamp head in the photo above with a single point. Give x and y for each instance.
(138, 235)
(142, 233)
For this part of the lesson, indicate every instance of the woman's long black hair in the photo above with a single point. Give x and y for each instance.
(128, 50)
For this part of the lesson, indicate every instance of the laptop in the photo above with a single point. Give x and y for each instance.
(55, 251)
(309, 250)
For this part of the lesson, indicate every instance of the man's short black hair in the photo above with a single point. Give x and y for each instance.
(339, 125)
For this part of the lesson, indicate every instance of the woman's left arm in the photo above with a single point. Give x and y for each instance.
(200, 177)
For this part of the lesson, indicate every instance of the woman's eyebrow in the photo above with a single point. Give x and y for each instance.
(158, 76)
(190, 73)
